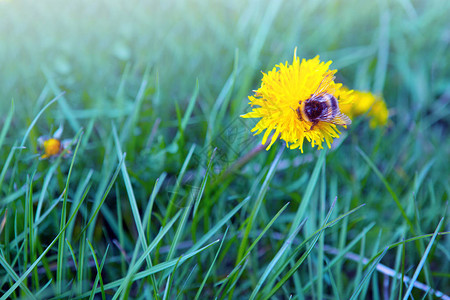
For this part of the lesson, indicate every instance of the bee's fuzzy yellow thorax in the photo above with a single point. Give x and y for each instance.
(302, 112)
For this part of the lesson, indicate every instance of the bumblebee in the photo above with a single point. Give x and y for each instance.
(322, 107)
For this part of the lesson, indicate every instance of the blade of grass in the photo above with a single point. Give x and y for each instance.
(257, 205)
(81, 188)
(22, 144)
(143, 274)
(256, 208)
(102, 264)
(178, 183)
(81, 263)
(203, 184)
(199, 195)
(186, 281)
(12, 197)
(20, 236)
(421, 176)
(130, 124)
(109, 165)
(144, 256)
(199, 291)
(367, 275)
(221, 103)
(218, 225)
(239, 272)
(263, 31)
(320, 255)
(420, 244)
(65, 108)
(241, 264)
(407, 241)
(334, 287)
(10, 271)
(149, 209)
(341, 254)
(187, 113)
(275, 260)
(180, 229)
(403, 270)
(299, 247)
(61, 249)
(38, 294)
(374, 279)
(106, 193)
(120, 97)
(224, 97)
(386, 270)
(30, 226)
(422, 261)
(3, 221)
(99, 272)
(34, 264)
(5, 168)
(309, 190)
(225, 282)
(134, 207)
(72, 253)
(255, 242)
(360, 265)
(170, 280)
(6, 124)
(316, 236)
(388, 187)
(383, 46)
(47, 179)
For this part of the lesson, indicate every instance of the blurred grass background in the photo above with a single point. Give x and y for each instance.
(169, 75)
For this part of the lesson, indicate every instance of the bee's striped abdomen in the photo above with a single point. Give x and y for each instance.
(334, 105)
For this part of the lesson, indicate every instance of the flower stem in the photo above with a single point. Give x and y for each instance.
(244, 160)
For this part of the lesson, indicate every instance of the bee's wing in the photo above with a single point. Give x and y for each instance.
(338, 119)
(341, 119)
(324, 84)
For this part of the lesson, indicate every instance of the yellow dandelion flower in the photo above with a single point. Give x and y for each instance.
(366, 102)
(299, 101)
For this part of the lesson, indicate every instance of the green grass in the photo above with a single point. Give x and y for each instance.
(167, 195)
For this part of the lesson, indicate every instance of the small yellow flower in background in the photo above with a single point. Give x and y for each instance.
(54, 146)
(299, 101)
(379, 114)
(51, 147)
(366, 102)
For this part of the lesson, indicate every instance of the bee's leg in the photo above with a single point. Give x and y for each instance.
(312, 126)
(299, 114)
